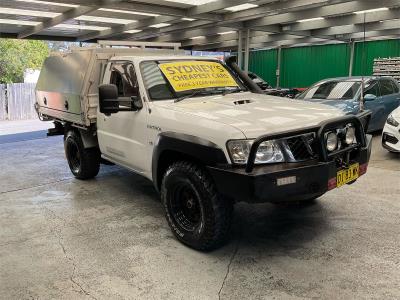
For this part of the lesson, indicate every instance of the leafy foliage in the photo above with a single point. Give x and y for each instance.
(18, 55)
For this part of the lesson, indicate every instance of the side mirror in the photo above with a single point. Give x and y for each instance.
(108, 99)
(137, 103)
(369, 97)
(110, 104)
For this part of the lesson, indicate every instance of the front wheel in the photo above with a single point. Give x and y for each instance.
(197, 215)
(83, 163)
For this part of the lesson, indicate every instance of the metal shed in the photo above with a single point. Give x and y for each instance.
(203, 24)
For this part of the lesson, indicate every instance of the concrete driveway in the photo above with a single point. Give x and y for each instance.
(107, 238)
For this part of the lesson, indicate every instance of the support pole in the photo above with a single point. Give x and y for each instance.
(247, 51)
(240, 49)
(278, 68)
(351, 58)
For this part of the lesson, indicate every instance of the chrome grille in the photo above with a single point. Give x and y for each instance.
(302, 147)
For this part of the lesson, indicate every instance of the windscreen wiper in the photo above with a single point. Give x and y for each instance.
(194, 93)
(226, 92)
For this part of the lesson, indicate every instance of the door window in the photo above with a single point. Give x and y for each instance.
(372, 88)
(386, 87)
(395, 87)
(124, 77)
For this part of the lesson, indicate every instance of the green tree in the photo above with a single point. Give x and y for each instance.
(18, 55)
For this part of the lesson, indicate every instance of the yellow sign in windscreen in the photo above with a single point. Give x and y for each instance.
(191, 75)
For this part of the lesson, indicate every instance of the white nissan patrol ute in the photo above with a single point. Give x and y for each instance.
(200, 129)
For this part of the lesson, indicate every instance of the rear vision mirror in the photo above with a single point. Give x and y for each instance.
(108, 98)
(110, 103)
(136, 103)
(369, 97)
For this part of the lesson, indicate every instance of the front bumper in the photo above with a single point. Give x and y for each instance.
(286, 181)
(391, 138)
(312, 179)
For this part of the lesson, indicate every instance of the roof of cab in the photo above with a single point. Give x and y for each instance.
(162, 57)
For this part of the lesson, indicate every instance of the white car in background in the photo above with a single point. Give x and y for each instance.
(391, 132)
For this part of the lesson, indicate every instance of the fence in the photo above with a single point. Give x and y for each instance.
(3, 100)
(16, 101)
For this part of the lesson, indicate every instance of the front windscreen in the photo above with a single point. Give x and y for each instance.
(332, 90)
(166, 80)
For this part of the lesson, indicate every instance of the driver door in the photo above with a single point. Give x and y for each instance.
(375, 106)
(122, 135)
(390, 98)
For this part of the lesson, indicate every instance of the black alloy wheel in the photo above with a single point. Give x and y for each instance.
(184, 205)
(84, 163)
(197, 215)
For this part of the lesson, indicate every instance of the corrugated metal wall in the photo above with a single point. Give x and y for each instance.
(375, 49)
(264, 64)
(303, 66)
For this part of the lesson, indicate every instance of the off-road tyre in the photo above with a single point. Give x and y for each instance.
(205, 224)
(83, 163)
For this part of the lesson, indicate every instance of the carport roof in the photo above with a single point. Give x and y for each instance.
(202, 24)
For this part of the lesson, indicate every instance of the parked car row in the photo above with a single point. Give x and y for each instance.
(380, 95)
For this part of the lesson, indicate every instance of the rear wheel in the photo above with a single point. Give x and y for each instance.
(197, 215)
(83, 163)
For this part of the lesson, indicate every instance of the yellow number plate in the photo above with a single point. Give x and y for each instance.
(347, 175)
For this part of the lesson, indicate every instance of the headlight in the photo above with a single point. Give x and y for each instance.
(391, 121)
(239, 150)
(268, 152)
(331, 141)
(350, 135)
